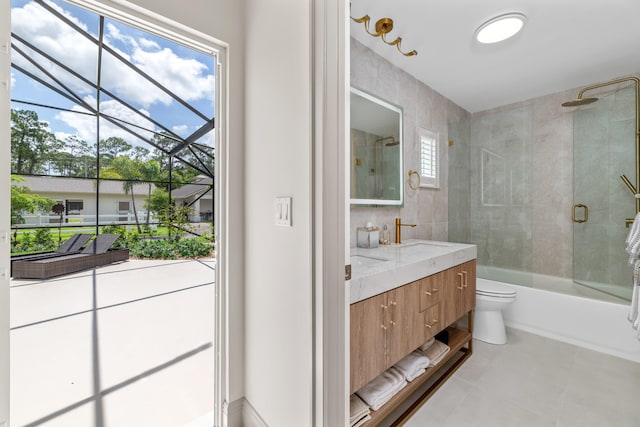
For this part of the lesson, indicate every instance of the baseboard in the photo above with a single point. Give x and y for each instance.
(234, 413)
(240, 413)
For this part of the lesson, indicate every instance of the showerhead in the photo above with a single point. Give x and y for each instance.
(578, 102)
(392, 143)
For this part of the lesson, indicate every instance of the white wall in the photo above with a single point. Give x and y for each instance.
(5, 167)
(278, 287)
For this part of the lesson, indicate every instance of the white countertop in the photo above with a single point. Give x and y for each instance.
(377, 270)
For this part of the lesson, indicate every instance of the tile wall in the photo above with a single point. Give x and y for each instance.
(422, 107)
(512, 174)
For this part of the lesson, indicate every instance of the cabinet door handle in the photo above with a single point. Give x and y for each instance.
(461, 281)
(427, 293)
(384, 316)
(466, 278)
(393, 313)
(435, 321)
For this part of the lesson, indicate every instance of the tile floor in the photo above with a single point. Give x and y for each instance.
(130, 345)
(535, 381)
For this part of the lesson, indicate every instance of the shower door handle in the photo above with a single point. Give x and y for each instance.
(586, 213)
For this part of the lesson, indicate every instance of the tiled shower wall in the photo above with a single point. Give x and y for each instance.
(512, 174)
(422, 107)
(512, 182)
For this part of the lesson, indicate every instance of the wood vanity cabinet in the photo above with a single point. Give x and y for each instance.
(384, 329)
(460, 291)
(387, 327)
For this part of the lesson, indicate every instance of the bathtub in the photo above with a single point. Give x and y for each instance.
(559, 309)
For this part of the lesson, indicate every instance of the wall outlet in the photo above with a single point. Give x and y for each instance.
(282, 209)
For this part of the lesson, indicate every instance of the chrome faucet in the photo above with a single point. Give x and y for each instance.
(398, 225)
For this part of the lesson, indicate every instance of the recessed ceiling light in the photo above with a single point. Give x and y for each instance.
(500, 28)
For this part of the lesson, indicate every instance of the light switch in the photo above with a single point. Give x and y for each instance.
(283, 211)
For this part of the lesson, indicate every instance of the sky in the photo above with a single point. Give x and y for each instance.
(187, 73)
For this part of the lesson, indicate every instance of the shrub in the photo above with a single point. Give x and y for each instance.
(191, 248)
(43, 238)
(157, 249)
(39, 241)
(127, 239)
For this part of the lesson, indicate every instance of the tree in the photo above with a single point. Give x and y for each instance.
(158, 201)
(129, 171)
(32, 144)
(23, 201)
(83, 157)
(149, 172)
(111, 148)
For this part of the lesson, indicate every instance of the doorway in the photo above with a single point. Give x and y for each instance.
(105, 114)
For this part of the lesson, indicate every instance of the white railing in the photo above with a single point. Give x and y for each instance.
(45, 220)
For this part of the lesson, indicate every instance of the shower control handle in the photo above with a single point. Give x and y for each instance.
(586, 213)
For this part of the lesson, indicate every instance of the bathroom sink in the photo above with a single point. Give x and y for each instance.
(366, 260)
(422, 248)
(424, 244)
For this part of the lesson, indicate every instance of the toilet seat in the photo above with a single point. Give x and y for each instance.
(496, 296)
(494, 290)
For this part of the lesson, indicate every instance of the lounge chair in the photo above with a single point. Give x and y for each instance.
(97, 253)
(70, 246)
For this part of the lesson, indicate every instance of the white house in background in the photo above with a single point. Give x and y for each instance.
(199, 196)
(78, 195)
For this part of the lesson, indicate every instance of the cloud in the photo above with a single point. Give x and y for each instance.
(180, 129)
(48, 33)
(186, 77)
(148, 44)
(13, 80)
(85, 126)
(183, 76)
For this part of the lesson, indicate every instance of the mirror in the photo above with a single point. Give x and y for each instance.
(376, 151)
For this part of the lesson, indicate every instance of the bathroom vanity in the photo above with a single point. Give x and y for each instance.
(401, 296)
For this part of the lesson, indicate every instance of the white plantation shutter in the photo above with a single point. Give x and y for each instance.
(429, 159)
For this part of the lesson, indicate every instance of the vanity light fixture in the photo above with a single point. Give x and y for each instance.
(383, 27)
(500, 28)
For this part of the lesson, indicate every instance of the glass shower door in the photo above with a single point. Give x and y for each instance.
(604, 149)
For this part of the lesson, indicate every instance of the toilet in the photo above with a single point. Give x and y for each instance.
(491, 299)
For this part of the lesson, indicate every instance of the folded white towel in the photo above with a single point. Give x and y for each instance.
(416, 374)
(384, 399)
(411, 364)
(361, 421)
(382, 388)
(357, 409)
(436, 352)
(425, 346)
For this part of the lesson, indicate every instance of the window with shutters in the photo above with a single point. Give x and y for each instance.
(429, 159)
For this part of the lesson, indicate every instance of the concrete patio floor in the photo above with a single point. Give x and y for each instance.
(129, 344)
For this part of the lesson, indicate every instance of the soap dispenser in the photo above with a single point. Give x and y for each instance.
(385, 236)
